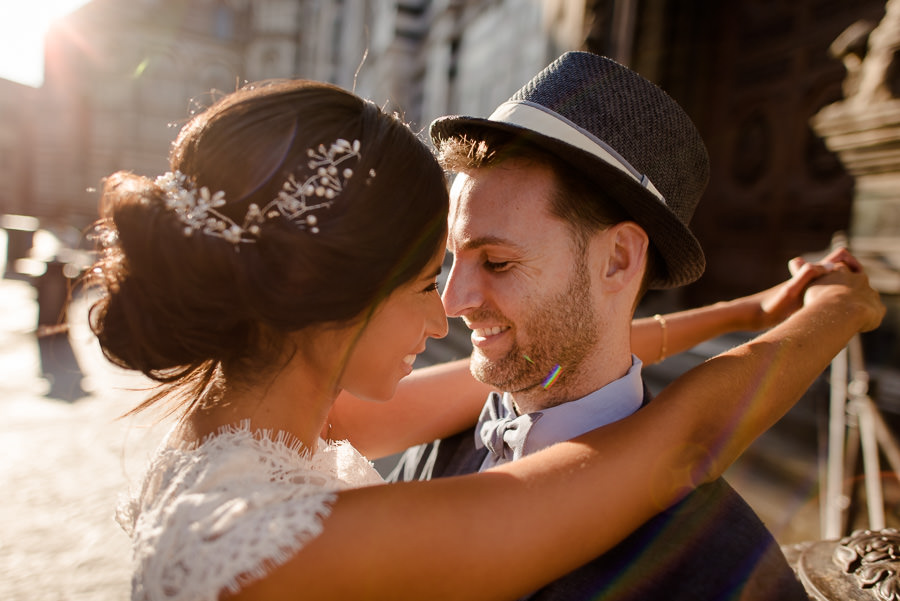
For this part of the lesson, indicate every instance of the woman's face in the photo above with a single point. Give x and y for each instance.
(395, 334)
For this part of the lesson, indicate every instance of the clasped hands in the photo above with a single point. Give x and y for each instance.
(838, 276)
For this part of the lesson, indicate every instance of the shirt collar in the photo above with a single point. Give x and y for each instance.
(618, 399)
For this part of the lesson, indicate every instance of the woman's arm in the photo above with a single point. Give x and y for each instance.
(655, 338)
(560, 507)
(432, 402)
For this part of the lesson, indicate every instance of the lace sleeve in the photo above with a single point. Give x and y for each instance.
(217, 516)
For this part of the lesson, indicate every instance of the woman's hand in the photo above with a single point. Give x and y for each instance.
(779, 302)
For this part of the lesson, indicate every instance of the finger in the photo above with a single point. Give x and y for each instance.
(795, 264)
(844, 267)
(810, 271)
(842, 255)
(802, 276)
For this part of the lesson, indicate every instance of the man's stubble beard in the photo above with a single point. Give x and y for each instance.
(562, 331)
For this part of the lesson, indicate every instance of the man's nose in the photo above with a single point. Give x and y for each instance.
(461, 293)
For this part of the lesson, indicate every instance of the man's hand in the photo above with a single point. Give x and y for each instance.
(847, 288)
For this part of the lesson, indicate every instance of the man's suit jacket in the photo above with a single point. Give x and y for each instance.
(710, 546)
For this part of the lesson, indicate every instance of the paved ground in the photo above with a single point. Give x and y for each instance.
(64, 462)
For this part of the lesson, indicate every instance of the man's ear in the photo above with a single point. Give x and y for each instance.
(626, 246)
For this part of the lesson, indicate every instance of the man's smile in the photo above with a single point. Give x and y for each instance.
(484, 335)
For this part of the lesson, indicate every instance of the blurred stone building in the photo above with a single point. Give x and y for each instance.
(121, 75)
(16, 145)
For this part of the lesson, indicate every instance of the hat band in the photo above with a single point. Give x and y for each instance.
(542, 120)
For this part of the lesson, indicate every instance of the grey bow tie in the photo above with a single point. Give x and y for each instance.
(502, 431)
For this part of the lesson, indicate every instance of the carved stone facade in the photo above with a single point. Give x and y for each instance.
(123, 74)
(863, 129)
(750, 73)
(491, 49)
(428, 58)
(753, 74)
(864, 566)
(119, 75)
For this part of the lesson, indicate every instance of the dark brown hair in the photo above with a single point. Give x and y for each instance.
(180, 307)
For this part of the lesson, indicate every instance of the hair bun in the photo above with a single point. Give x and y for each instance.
(151, 317)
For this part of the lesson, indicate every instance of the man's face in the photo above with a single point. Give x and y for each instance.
(519, 280)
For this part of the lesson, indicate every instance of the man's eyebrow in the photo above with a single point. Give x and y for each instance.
(474, 243)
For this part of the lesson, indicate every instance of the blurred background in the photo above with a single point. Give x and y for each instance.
(797, 102)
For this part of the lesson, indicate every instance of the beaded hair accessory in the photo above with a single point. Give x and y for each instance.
(297, 201)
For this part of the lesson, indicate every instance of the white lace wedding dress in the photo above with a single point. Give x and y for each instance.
(212, 516)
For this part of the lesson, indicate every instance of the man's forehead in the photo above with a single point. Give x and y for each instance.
(499, 210)
(505, 186)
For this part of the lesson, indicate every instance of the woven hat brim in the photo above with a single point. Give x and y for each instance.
(680, 251)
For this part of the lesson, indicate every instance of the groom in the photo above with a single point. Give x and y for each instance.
(569, 202)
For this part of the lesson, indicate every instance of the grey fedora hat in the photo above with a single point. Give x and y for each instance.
(624, 133)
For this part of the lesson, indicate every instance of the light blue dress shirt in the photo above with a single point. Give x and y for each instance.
(618, 399)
